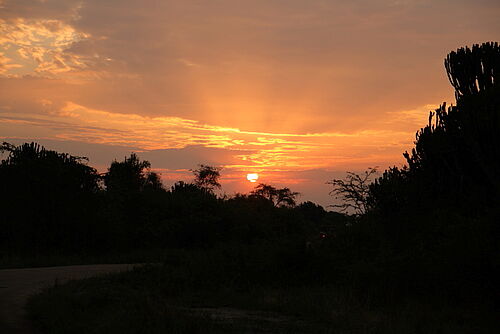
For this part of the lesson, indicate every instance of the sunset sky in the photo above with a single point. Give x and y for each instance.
(299, 91)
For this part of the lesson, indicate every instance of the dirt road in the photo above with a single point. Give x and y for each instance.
(16, 285)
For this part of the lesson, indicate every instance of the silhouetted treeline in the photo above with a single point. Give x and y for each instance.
(456, 158)
(55, 202)
(49, 200)
(441, 212)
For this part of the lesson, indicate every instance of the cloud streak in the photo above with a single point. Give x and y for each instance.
(255, 150)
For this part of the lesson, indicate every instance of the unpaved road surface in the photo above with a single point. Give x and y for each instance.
(16, 285)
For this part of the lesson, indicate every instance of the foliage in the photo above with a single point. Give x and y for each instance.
(473, 70)
(438, 212)
(390, 192)
(41, 165)
(353, 191)
(455, 159)
(131, 175)
(298, 292)
(53, 202)
(312, 211)
(282, 197)
(46, 191)
(207, 177)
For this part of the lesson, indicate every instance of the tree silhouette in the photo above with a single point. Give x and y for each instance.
(32, 163)
(131, 176)
(456, 157)
(473, 70)
(353, 191)
(283, 197)
(47, 198)
(207, 177)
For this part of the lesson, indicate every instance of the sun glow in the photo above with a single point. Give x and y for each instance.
(253, 177)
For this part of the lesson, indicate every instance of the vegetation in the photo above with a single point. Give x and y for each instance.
(353, 191)
(55, 203)
(250, 289)
(207, 177)
(283, 197)
(421, 254)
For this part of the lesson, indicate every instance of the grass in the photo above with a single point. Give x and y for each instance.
(202, 292)
(9, 261)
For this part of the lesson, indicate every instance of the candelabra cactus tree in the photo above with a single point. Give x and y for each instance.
(471, 70)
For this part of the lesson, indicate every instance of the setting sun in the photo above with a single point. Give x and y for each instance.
(253, 177)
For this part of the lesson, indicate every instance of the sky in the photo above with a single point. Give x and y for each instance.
(299, 91)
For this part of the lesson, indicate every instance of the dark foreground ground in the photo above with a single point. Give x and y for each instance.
(16, 285)
(210, 292)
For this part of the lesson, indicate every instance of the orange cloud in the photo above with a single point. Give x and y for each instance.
(40, 46)
(259, 151)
